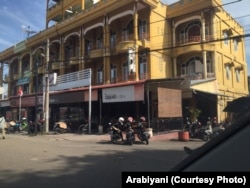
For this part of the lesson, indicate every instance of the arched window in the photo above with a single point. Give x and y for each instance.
(99, 43)
(125, 71)
(113, 73)
(100, 75)
(128, 31)
(143, 67)
(194, 65)
(87, 47)
(142, 29)
(193, 31)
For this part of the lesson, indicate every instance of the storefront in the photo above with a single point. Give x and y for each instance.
(25, 106)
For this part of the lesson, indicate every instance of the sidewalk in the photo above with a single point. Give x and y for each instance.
(106, 136)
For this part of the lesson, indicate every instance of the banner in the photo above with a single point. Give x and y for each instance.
(185, 179)
(20, 91)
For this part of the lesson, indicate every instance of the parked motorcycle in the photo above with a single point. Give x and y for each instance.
(141, 132)
(84, 128)
(17, 126)
(196, 130)
(213, 129)
(62, 126)
(116, 131)
(217, 130)
(36, 128)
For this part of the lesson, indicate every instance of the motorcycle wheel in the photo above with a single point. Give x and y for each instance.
(58, 130)
(146, 141)
(140, 137)
(205, 137)
(82, 129)
(131, 142)
(113, 140)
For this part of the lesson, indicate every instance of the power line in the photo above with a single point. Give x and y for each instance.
(165, 34)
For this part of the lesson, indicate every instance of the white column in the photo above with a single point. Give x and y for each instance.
(173, 31)
(175, 67)
(204, 54)
(203, 28)
(47, 89)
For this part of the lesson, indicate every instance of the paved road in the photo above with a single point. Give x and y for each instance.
(70, 160)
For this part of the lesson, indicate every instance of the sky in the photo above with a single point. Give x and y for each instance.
(20, 16)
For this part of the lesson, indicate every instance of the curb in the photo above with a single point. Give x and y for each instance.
(70, 136)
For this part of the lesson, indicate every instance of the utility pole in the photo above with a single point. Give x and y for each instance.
(47, 89)
(36, 98)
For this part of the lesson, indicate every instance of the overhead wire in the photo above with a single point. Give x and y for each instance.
(168, 35)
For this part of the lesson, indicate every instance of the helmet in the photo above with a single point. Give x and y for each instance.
(142, 118)
(121, 119)
(130, 119)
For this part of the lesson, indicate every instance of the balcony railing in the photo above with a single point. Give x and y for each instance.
(16, 76)
(143, 36)
(71, 80)
(197, 76)
(124, 38)
(143, 76)
(194, 39)
(80, 78)
(129, 77)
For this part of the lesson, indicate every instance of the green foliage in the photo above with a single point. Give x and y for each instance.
(88, 3)
(194, 113)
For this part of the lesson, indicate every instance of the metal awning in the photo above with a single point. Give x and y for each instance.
(210, 86)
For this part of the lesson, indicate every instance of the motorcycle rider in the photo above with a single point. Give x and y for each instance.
(120, 125)
(209, 129)
(130, 135)
(130, 120)
(187, 123)
(214, 123)
(141, 122)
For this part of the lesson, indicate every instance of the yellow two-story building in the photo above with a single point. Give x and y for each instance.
(127, 58)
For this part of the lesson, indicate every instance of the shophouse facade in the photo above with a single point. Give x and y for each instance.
(192, 50)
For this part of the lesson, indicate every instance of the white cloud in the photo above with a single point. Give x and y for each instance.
(15, 14)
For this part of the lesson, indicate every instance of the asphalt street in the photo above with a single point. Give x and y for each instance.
(77, 161)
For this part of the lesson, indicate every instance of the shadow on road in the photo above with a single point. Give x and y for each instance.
(92, 170)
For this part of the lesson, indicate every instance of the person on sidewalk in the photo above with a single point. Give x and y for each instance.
(2, 125)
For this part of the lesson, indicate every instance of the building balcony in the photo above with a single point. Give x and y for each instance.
(26, 73)
(198, 76)
(194, 39)
(16, 76)
(96, 53)
(191, 46)
(124, 43)
(144, 76)
(71, 80)
(40, 70)
(55, 66)
(145, 43)
(73, 61)
(144, 39)
(152, 3)
(52, 12)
